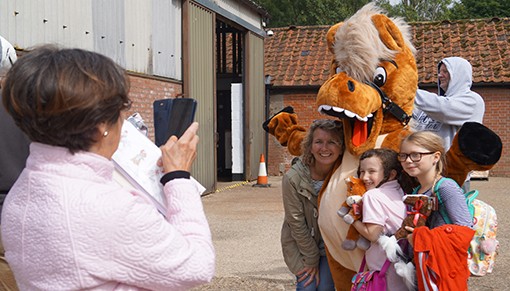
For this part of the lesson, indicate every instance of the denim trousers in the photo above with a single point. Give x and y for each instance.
(325, 279)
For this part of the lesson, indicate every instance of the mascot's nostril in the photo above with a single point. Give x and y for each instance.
(351, 86)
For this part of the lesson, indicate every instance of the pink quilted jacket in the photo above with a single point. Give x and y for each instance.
(66, 225)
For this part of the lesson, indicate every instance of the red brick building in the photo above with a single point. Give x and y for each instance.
(297, 60)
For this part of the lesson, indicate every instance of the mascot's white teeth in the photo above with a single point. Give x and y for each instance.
(347, 113)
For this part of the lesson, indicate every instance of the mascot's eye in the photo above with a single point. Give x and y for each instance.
(380, 76)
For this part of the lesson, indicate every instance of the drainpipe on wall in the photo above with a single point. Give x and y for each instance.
(267, 81)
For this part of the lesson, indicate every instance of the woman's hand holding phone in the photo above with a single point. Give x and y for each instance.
(179, 154)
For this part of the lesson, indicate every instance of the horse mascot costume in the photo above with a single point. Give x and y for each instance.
(372, 84)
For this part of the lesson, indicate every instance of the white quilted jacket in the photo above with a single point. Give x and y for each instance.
(66, 225)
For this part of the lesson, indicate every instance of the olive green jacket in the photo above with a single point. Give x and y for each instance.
(300, 232)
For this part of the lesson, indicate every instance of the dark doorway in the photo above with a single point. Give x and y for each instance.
(229, 68)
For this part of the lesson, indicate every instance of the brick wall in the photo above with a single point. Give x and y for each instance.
(497, 118)
(144, 91)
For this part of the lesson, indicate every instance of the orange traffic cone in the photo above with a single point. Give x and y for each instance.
(262, 179)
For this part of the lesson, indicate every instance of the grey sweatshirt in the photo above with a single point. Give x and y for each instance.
(445, 115)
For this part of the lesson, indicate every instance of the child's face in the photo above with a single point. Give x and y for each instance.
(371, 172)
(426, 164)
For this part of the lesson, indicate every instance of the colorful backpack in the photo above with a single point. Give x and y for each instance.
(484, 245)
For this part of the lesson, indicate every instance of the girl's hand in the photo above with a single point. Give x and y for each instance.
(410, 236)
(179, 154)
(309, 273)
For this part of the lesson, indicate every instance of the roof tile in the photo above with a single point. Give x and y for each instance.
(298, 56)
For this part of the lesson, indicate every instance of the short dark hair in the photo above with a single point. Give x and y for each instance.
(60, 96)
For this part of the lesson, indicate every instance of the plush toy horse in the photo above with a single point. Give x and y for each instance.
(351, 211)
(371, 88)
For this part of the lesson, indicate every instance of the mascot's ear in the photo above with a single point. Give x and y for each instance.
(330, 36)
(388, 32)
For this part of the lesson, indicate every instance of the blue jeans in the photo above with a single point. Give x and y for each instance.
(326, 280)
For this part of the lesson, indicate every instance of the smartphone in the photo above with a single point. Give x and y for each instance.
(172, 117)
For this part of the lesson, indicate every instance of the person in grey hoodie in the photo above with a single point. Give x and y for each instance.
(444, 113)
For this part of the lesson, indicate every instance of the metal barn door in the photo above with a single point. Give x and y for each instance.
(256, 101)
(199, 84)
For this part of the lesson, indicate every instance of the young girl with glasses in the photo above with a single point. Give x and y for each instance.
(440, 249)
(383, 208)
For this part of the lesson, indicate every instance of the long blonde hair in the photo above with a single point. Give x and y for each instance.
(335, 130)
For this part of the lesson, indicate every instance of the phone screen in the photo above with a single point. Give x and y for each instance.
(172, 117)
(181, 116)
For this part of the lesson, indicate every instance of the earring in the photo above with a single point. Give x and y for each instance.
(105, 134)
(434, 163)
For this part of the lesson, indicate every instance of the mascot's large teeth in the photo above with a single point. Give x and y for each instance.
(349, 114)
(338, 109)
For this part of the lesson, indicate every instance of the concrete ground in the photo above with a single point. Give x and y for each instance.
(245, 222)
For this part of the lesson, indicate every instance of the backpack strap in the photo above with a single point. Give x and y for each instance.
(442, 210)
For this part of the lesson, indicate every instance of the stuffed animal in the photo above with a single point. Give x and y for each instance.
(422, 207)
(373, 80)
(351, 211)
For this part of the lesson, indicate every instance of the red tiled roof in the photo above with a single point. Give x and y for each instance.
(298, 56)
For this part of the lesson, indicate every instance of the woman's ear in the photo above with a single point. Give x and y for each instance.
(102, 128)
(393, 174)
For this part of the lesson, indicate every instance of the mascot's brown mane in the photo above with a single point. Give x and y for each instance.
(357, 47)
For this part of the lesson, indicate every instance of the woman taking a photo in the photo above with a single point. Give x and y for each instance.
(66, 225)
(302, 245)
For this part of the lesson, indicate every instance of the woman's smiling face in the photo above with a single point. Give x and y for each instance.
(324, 149)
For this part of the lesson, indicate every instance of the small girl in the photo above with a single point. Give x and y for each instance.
(383, 208)
(422, 155)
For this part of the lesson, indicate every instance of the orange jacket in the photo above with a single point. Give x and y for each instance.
(441, 255)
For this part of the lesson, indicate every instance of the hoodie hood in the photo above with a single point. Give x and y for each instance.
(461, 76)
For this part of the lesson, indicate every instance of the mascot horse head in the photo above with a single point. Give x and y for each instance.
(373, 77)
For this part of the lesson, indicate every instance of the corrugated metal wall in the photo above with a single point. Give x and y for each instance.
(257, 101)
(201, 87)
(142, 36)
(166, 29)
(27, 23)
(108, 30)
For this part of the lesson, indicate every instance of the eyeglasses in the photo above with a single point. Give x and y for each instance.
(415, 157)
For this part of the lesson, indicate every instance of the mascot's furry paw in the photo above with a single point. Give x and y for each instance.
(472, 154)
(348, 245)
(408, 274)
(343, 211)
(363, 243)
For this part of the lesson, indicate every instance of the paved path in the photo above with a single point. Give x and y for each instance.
(246, 221)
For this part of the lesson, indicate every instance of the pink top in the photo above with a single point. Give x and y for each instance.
(384, 206)
(67, 225)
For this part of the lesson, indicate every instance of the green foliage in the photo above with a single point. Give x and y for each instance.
(475, 9)
(418, 10)
(328, 12)
(309, 12)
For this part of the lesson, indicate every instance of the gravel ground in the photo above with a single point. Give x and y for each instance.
(245, 223)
